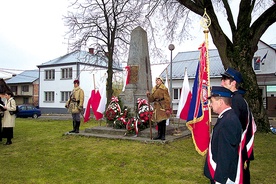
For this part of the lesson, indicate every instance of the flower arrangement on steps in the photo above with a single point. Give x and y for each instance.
(121, 118)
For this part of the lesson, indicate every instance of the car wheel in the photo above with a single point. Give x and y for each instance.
(35, 116)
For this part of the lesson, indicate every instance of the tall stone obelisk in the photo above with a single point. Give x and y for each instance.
(140, 73)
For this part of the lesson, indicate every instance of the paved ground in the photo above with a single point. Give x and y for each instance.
(171, 135)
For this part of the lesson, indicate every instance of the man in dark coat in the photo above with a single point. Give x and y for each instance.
(223, 153)
(2, 104)
(231, 79)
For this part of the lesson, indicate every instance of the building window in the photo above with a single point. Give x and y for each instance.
(65, 95)
(49, 96)
(176, 94)
(257, 63)
(25, 100)
(66, 73)
(14, 90)
(50, 74)
(25, 88)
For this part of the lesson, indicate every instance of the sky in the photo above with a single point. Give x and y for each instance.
(33, 32)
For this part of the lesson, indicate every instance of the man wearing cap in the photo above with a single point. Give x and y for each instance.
(222, 157)
(162, 106)
(231, 79)
(75, 105)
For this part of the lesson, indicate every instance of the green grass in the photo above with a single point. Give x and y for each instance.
(40, 153)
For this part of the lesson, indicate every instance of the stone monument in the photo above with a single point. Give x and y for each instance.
(140, 73)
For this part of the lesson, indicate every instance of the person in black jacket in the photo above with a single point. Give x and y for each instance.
(222, 159)
(231, 79)
(2, 109)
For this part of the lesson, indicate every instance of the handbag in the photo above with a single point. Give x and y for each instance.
(12, 112)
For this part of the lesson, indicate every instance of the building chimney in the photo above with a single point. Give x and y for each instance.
(91, 51)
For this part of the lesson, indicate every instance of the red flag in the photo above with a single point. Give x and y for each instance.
(127, 68)
(93, 103)
(185, 99)
(198, 116)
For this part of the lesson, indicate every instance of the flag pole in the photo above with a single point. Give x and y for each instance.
(149, 118)
(205, 23)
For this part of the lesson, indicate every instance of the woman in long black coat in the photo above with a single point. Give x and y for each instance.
(1, 115)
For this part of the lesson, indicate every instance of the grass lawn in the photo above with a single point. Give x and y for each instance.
(40, 153)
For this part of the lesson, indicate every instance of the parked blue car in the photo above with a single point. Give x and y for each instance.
(25, 111)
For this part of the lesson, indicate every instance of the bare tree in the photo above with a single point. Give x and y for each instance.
(105, 25)
(238, 51)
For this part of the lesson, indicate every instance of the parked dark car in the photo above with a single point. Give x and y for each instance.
(25, 111)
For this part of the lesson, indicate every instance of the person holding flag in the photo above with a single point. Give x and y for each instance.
(223, 153)
(231, 79)
(161, 104)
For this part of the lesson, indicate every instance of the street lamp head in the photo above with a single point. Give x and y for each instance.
(171, 47)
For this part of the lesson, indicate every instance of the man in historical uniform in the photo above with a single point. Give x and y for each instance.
(231, 79)
(162, 106)
(222, 159)
(75, 105)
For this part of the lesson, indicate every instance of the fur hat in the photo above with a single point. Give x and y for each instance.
(160, 79)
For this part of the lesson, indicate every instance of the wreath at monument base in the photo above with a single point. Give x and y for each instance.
(124, 120)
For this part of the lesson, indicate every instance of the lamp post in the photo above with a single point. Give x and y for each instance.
(171, 48)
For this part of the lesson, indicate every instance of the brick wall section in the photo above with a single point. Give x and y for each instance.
(35, 94)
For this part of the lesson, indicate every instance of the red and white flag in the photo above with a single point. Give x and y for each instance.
(127, 78)
(93, 103)
(103, 99)
(97, 102)
(185, 99)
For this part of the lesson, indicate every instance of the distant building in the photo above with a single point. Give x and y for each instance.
(263, 63)
(56, 78)
(25, 87)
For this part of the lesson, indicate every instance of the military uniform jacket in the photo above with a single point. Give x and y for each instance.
(161, 102)
(240, 107)
(75, 102)
(222, 158)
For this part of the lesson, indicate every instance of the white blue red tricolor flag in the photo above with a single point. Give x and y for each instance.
(198, 115)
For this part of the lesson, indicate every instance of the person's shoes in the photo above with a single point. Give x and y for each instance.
(157, 137)
(72, 131)
(163, 138)
(8, 143)
(76, 132)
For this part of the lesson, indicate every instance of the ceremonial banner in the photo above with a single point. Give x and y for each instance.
(185, 99)
(198, 116)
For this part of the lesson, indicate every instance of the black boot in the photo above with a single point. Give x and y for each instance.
(159, 132)
(163, 131)
(77, 127)
(74, 128)
(8, 141)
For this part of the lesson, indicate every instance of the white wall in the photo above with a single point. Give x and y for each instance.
(58, 84)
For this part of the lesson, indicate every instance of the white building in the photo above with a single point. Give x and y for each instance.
(264, 65)
(56, 78)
